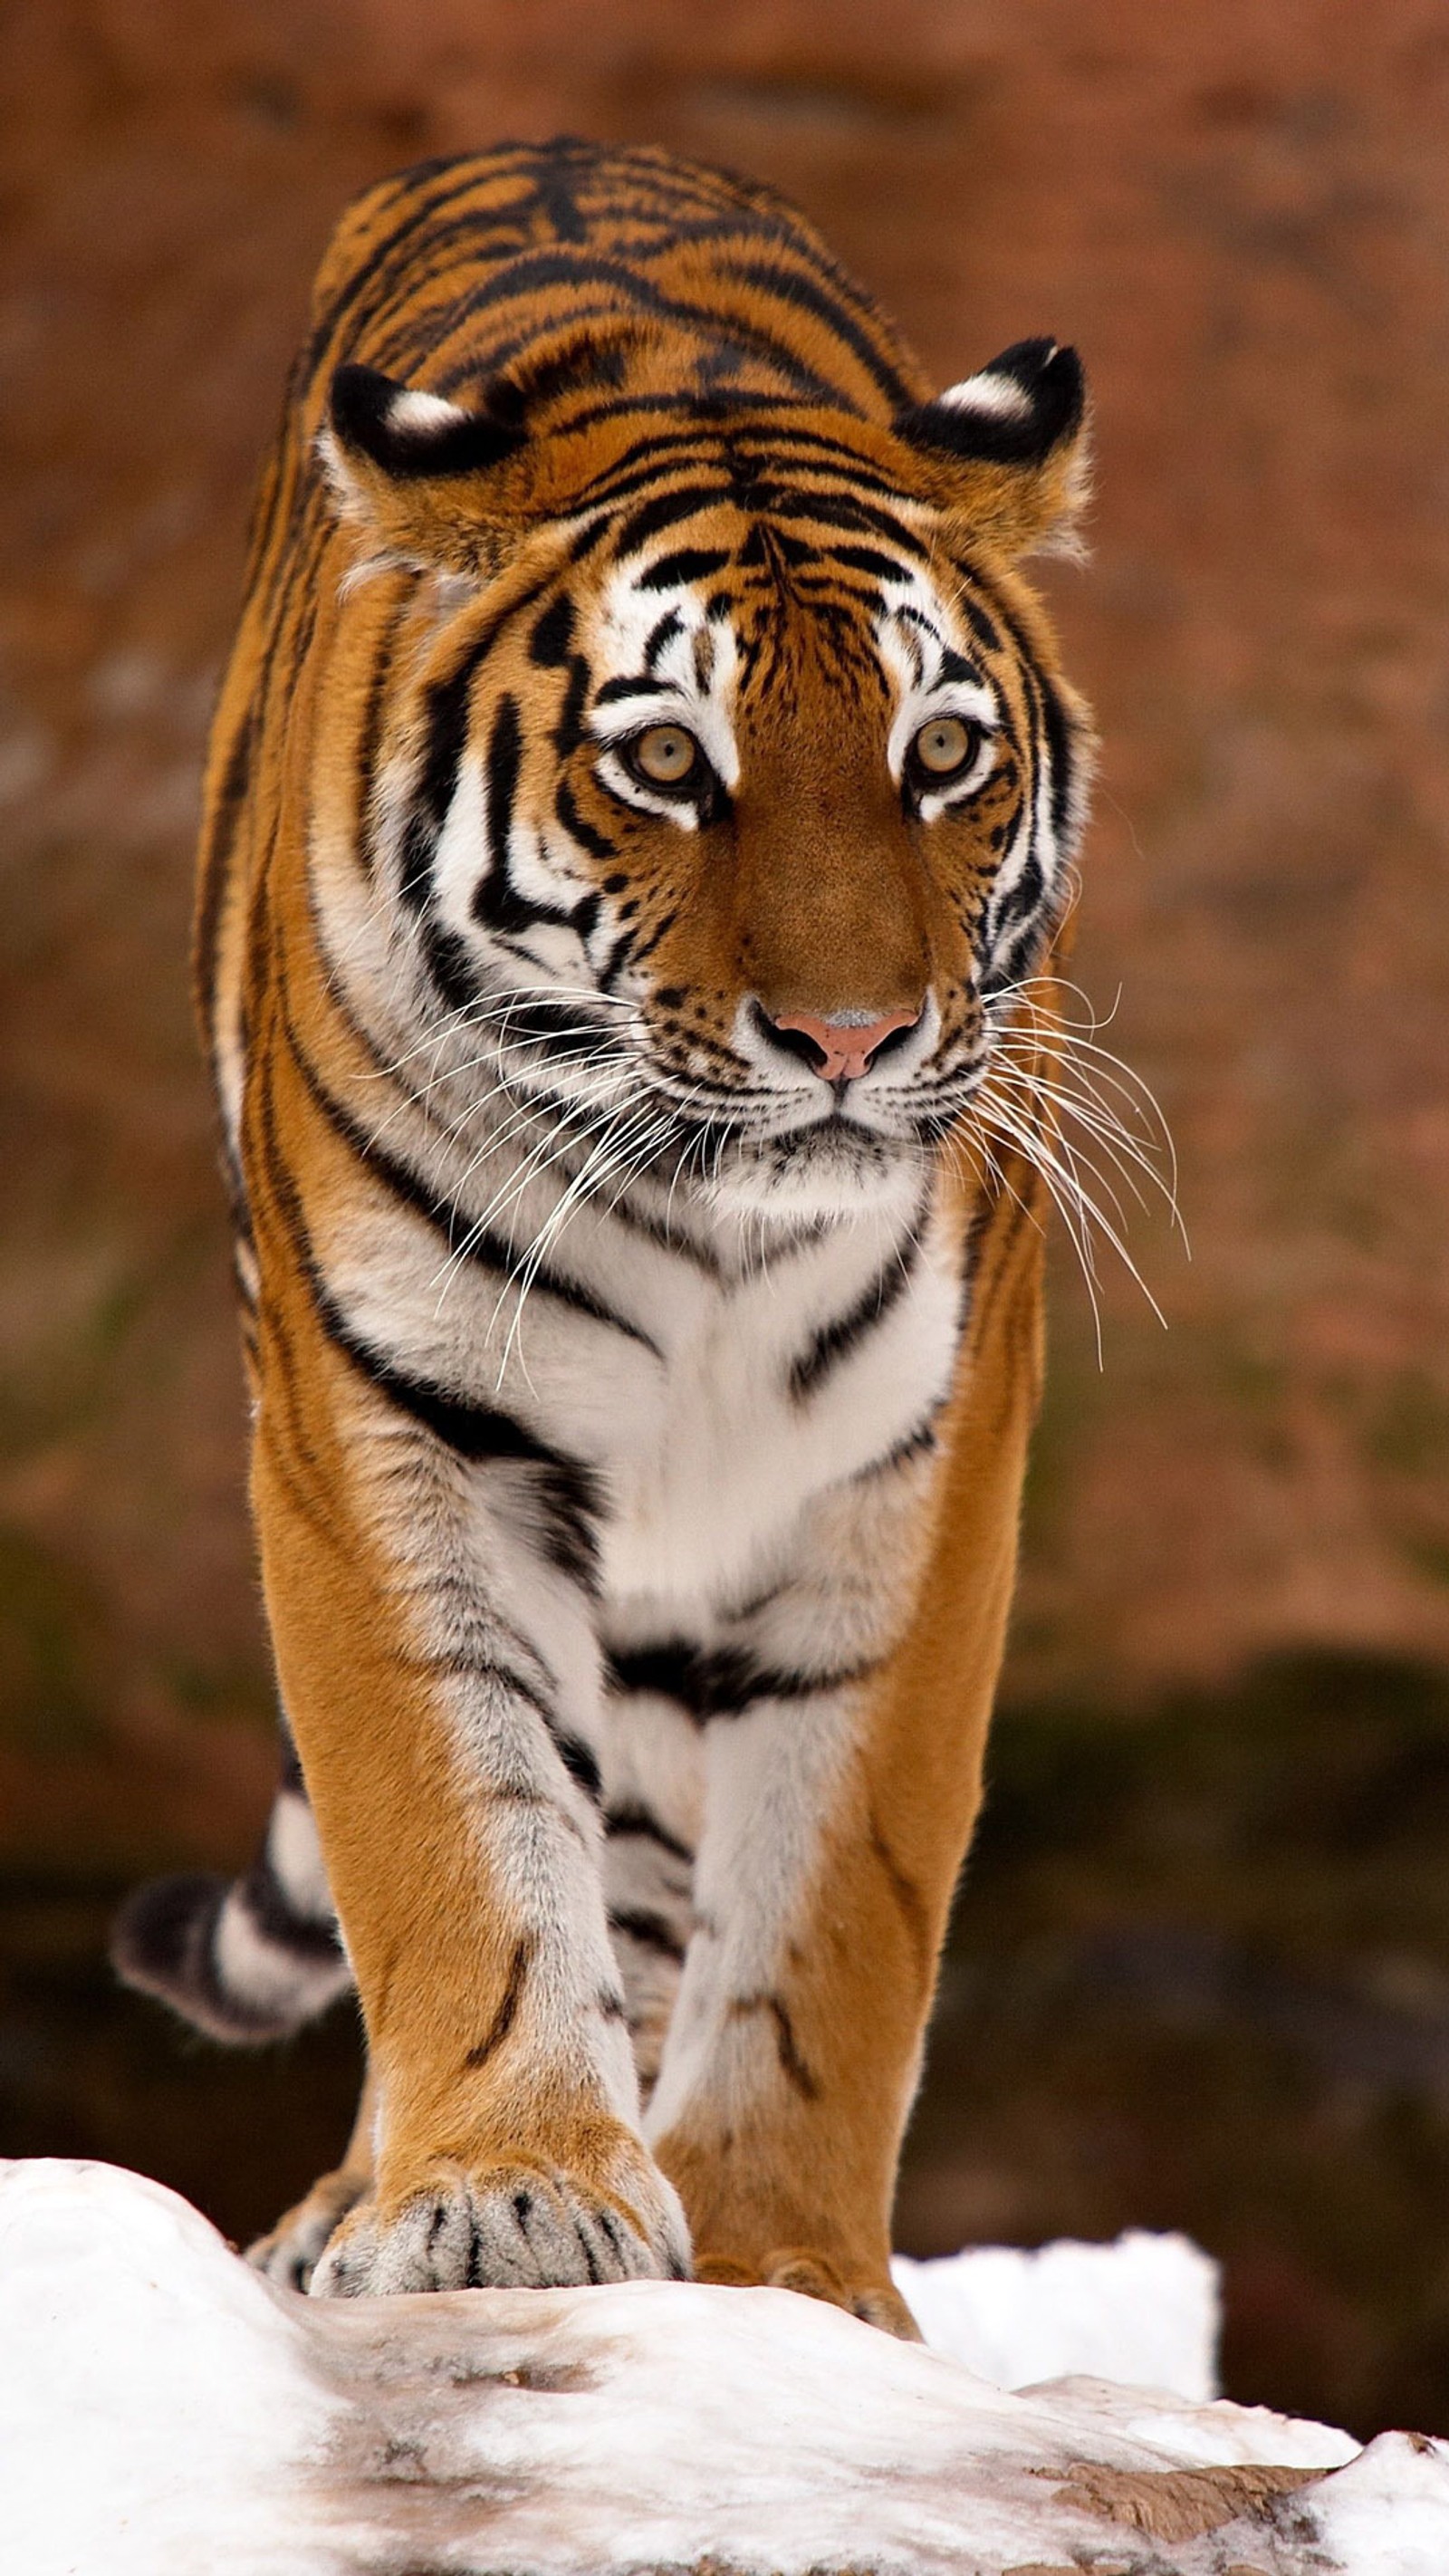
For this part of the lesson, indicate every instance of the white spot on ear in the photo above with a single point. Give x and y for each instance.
(415, 413)
(997, 397)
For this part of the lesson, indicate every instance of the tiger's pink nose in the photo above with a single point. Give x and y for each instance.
(839, 1050)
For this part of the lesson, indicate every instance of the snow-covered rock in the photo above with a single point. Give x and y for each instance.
(164, 2412)
(1145, 2309)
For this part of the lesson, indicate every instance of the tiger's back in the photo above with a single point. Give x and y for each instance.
(641, 790)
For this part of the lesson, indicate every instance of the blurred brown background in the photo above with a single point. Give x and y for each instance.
(1201, 1969)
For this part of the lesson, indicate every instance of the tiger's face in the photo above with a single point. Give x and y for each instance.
(749, 780)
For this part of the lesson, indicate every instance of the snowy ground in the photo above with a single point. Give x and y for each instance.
(163, 2412)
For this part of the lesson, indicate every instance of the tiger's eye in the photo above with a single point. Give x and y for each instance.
(944, 745)
(665, 753)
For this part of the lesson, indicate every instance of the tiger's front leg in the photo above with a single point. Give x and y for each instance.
(425, 1572)
(836, 1820)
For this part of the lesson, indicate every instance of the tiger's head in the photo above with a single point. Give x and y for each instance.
(730, 734)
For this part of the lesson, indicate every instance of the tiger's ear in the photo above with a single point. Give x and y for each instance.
(427, 479)
(1009, 446)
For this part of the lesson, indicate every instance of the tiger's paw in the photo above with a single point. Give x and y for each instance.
(523, 2223)
(290, 2252)
(872, 2297)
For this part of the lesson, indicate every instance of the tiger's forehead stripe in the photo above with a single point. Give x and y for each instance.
(537, 234)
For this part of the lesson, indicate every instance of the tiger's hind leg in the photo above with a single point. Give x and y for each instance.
(290, 2252)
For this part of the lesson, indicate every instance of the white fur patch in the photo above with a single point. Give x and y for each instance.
(265, 1975)
(296, 1857)
(995, 397)
(415, 412)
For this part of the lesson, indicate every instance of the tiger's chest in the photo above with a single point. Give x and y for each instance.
(769, 1396)
(710, 1407)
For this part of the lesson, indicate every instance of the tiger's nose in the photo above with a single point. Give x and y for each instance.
(838, 1050)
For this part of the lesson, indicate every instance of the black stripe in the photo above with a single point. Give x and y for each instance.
(634, 684)
(1049, 711)
(707, 413)
(788, 286)
(370, 739)
(465, 1663)
(263, 1897)
(465, 173)
(722, 1682)
(982, 627)
(661, 634)
(665, 510)
(868, 559)
(507, 2013)
(1059, 745)
(579, 1762)
(496, 903)
(1021, 900)
(846, 510)
(629, 291)
(215, 866)
(792, 2064)
(649, 1930)
(787, 449)
(548, 645)
(568, 1490)
(768, 544)
(915, 1444)
(447, 732)
(690, 563)
(598, 845)
(835, 1341)
(447, 710)
(954, 665)
(569, 731)
(643, 1822)
(446, 957)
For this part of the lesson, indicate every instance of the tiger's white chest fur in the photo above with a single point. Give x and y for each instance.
(708, 1480)
(716, 1385)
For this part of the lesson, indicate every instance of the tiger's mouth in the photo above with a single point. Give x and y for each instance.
(862, 1147)
(807, 1174)
(796, 1153)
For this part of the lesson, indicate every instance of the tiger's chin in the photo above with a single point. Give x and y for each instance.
(816, 1174)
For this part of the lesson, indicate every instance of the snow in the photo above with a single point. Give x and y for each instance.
(138, 2371)
(1144, 2309)
(1384, 2514)
(164, 2411)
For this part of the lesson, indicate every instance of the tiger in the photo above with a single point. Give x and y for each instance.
(642, 803)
